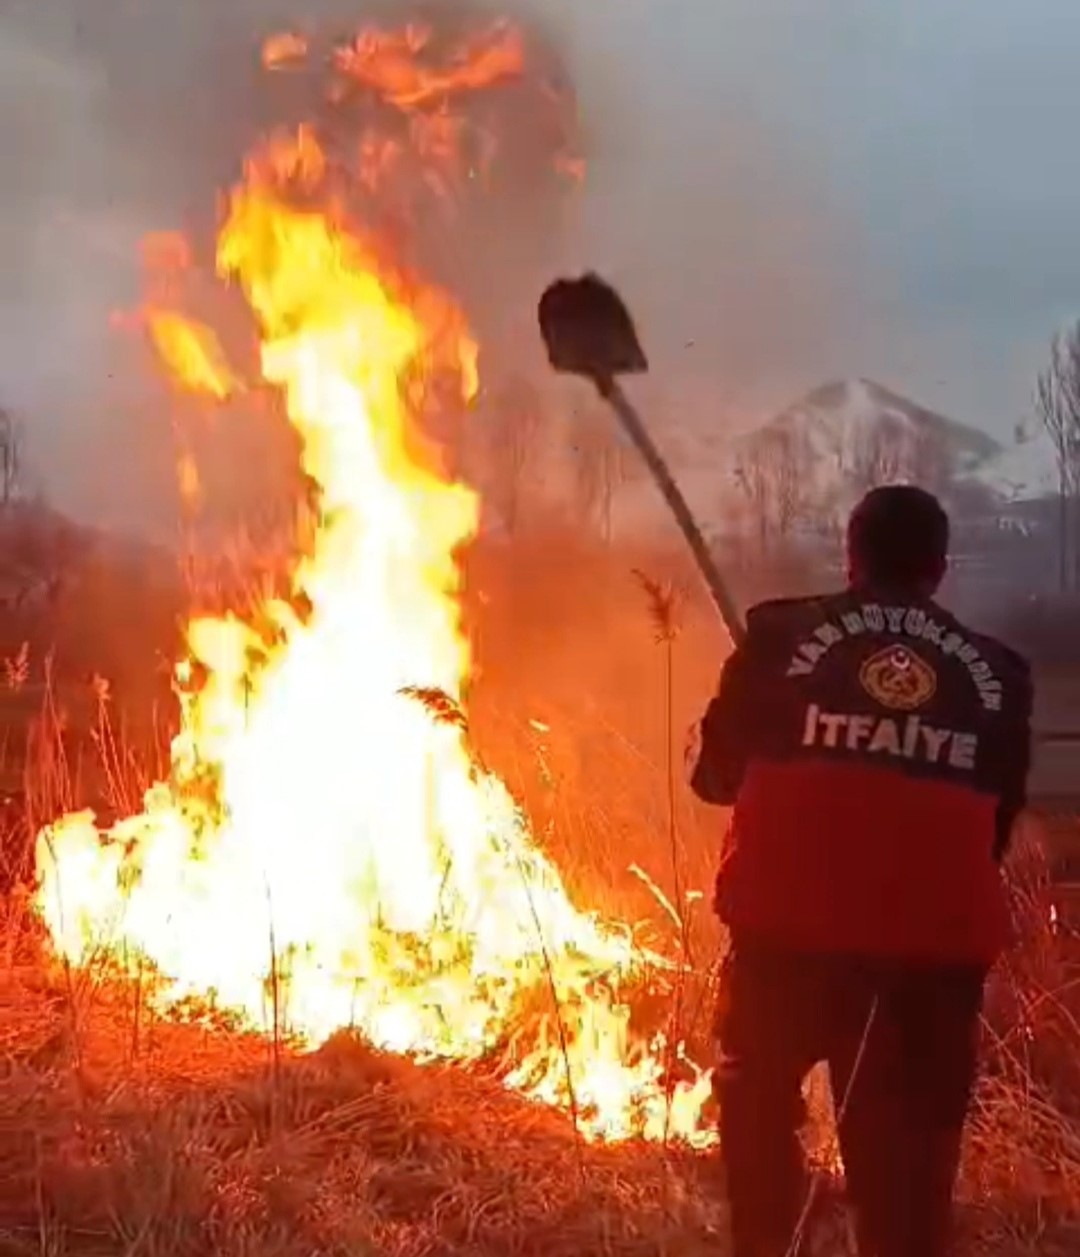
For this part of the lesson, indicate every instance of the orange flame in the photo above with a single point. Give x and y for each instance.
(441, 144)
(192, 353)
(327, 851)
(387, 62)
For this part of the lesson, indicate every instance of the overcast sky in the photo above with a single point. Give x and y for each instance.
(921, 155)
(790, 191)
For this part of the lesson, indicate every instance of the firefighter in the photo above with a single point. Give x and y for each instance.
(875, 753)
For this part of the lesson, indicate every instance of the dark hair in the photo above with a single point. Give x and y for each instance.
(898, 536)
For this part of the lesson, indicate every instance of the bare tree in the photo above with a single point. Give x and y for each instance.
(1057, 398)
(515, 431)
(39, 554)
(755, 483)
(771, 471)
(879, 456)
(10, 457)
(930, 460)
(602, 465)
(784, 456)
(781, 477)
(589, 440)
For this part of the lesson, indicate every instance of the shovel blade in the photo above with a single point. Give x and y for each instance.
(588, 330)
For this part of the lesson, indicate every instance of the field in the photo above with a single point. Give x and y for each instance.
(122, 1131)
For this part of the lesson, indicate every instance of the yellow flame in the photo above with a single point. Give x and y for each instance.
(192, 353)
(327, 852)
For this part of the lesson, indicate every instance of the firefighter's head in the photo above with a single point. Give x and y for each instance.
(898, 540)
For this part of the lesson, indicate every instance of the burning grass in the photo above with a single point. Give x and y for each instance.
(333, 843)
(193, 1143)
(124, 1131)
(121, 1133)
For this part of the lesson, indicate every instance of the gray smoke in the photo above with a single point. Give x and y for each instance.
(133, 117)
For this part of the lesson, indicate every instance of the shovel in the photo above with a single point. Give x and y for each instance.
(588, 331)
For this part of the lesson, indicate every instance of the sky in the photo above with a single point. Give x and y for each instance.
(927, 205)
(788, 191)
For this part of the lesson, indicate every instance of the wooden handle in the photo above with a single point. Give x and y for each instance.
(610, 391)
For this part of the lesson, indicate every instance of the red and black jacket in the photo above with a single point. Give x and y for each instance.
(876, 754)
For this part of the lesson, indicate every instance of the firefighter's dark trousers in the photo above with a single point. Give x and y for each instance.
(900, 1043)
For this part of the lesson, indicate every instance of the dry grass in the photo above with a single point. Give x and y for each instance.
(188, 1142)
(121, 1132)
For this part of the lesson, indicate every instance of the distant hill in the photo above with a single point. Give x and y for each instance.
(1021, 473)
(838, 417)
(806, 467)
(819, 455)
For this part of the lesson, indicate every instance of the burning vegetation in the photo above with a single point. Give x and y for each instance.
(326, 980)
(327, 851)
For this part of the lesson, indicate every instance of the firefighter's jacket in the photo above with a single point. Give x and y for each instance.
(875, 752)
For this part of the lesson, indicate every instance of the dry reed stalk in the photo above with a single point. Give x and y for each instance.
(664, 607)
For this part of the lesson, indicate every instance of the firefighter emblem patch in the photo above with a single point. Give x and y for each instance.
(898, 678)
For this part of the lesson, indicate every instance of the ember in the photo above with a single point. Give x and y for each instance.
(327, 851)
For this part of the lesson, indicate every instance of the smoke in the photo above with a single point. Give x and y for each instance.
(134, 119)
(713, 213)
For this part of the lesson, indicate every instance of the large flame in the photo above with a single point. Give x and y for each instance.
(327, 852)
(414, 100)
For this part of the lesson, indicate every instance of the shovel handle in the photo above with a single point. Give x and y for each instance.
(610, 391)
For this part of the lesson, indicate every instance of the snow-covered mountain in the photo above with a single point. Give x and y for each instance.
(805, 468)
(837, 420)
(818, 456)
(1024, 472)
